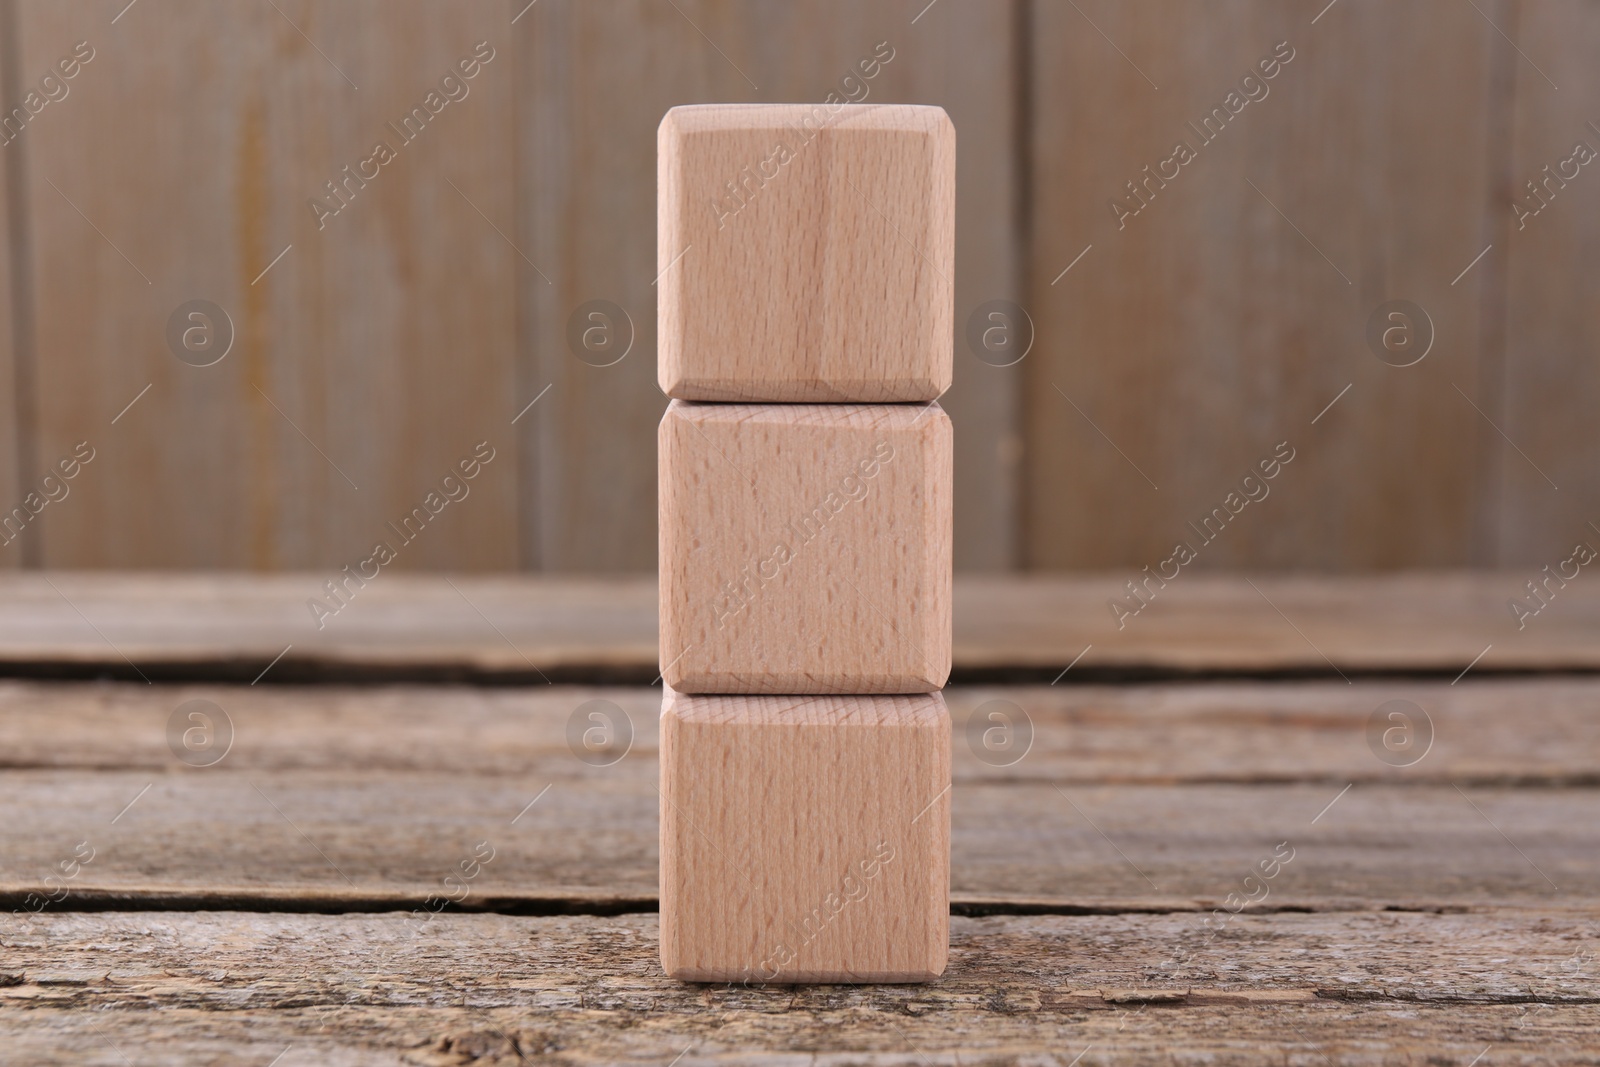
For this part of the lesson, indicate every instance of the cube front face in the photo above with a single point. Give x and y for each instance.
(805, 548)
(807, 252)
(805, 839)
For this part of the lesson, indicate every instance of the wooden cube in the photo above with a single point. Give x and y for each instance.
(805, 839)
(806, 251)
(805, 548)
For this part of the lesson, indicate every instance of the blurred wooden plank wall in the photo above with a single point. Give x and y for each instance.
(365, 363)
(13, 420)
(1552, 284)
(1223, 316)
(422, 318)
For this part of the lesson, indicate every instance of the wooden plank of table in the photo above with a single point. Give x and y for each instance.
(1234, 315)
(367, 362)
(363, 841)
(584, 989)
(398, 623)
(1160, 798)
(521, 627)
(597, 81)
(1410, 621)
(1486, 733)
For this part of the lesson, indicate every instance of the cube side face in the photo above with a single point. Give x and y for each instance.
(669, 295)
(805, 548)
(805, 844)
(820, 253)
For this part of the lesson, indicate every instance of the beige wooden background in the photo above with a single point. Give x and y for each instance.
(425, 316)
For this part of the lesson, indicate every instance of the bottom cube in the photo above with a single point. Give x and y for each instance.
(805, 838)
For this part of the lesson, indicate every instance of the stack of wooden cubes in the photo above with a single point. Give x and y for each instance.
(805, 315)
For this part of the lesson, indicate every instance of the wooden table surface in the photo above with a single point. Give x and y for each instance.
(1206, 855)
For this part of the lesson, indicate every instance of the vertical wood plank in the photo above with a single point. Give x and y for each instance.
(973, 67)
(12, 415)
(365, 363)
(1551, 378)
(589, 104)
(1222, 318)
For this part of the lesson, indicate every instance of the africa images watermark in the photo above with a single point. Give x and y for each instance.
(1252, 489)
(64, 871)
(353, 577)
(1542, 191)
(1251, 89)
(854, 886)
(52, 89)
(1554, 578)
(342, 189)
(53, 489)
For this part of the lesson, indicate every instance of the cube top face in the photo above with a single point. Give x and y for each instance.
(805, 548)
(807, 252)
(805, 839)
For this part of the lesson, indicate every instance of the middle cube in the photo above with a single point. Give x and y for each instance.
(805, 548)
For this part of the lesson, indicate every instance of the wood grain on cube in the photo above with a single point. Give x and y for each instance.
(805, 548)
(805, 839)
(807, 252)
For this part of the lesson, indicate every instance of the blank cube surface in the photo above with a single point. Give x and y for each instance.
(805, 839)
(805, 548)
(807, 252)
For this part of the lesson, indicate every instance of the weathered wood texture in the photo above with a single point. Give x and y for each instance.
(1234, 870)
(805, 548)
(1130, 798)
(1270, 989)
(597, 81)
(409, 626)
(353, 841)
(1498, 732)
(1230, 310)
(364, 364)
(506, 623)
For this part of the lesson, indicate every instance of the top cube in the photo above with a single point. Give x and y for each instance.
(806, 251)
